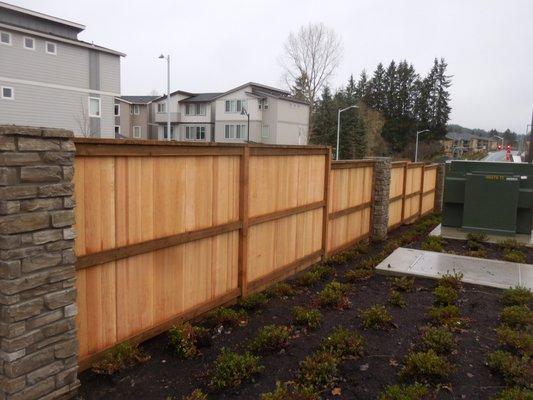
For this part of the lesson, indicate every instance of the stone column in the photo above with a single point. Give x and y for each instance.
(380, 198)
(38, 347)
(439, 187)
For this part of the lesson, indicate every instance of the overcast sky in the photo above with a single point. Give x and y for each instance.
(216, 45)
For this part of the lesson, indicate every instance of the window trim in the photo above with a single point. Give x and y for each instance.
(5, 97)
(54, 53)
(117, 107)
(161, 108)
(99, 107)
(263, 127)
(136, 109)
(24, 43)
(140, 132)
(10, 43)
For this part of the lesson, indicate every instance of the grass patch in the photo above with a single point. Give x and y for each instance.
(445, 295)
(426, 366)
(510, 244)
(433, 243)
(518, 340)
(343, 343)
(357, 275)
(517, 317)
(319, 370)
(231, 369)
(197, 394)
(253, 301)
(514, 369)
(438, 339)
(516, 256)
(122, 356)
(376, 317)
(514, 394)
(416, 391)
(271, 338)
(517, 296)
(290, 391)
(396, 299)
(281, 289)
(308, 317)
(226, 316)
(334, 295)
(403, 283)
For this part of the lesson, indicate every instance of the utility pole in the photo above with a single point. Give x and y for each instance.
(530, 153)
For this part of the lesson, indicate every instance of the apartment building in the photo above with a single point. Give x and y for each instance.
(271, 114)
(48, 77)
(457, 143)
(134, 116)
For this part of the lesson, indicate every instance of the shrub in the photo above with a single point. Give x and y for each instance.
(439, 339)
(122, 356)
(356, 275)
(514, 394)
(196, 395)
(308, 317)
(291, 392)
(510, 244)
(315, 274)
(445, 295)
(323, 271)
(453, 280)
(376, 317)
(319, 370)
(517, 316)
(515, 370)
(343, 343)
(396, 299)
(226, 316)
(515, 339)
(476, 237)
(403, 283)
(425, 365)
(517, 296)
(231, 370)
(281, 289)
(182, 340)
(271, 338)
(433, 243)
(253, 301)
(334, 295)
(308, 278)
(516, 256)
(449, 316)
(416, 391)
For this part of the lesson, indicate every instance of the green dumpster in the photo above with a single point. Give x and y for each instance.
(489, 197)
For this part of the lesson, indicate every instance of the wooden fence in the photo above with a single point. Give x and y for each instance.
(168, 231)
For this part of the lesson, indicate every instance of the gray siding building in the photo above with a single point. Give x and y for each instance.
(50, 78)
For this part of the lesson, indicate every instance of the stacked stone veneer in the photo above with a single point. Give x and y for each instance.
(439, 187)
(38, 347)
(380, 196)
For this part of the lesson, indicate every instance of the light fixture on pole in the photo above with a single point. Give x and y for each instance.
(168, 93)
(416, 145)
(499, 137)
(339, 128)
(244, 112)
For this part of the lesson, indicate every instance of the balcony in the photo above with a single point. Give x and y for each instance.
(162, 117)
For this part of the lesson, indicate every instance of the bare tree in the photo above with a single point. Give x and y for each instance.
(83, 120)
(310, 58)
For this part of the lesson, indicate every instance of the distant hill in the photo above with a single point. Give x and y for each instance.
(477, 132)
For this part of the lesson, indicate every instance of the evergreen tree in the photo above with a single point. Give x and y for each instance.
(439, 98)
(376, 89)
(324, 120)
(298, 89)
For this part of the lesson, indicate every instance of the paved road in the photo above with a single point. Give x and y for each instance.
(497, 155)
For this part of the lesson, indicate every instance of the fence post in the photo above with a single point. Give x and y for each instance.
(38, 345)
(243, 216)
(325, 214)
(439, 187)
(380, 198)
(421, 190)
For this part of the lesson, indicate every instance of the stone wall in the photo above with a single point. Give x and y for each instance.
(38, 347)
(380, 198)
(439, 187)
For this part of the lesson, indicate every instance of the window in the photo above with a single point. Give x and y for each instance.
(136, 109)
(263, 104)
(94, 107)
(165, 136)
(117, 110)
(161, 107)
(117, 130)
(137, 132)
(229, 131)
(235, 106)
(265, 131)
(241, 131)
(29, 43)
(195, 132)
(5, 38)
(189, 109)
(51, 48)
(7, 93)
(195, 109)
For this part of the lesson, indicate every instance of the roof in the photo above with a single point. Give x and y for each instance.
(254, 85)
(138, 99)
(47, 17)
(201, 97)
(174, 93)
(465, 136)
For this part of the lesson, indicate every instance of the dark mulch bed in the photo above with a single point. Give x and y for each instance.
(165, 377)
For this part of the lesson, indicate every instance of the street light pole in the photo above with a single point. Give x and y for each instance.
(168, 93)
(530, 153)
(339, 128)
(416, 144)
(244, 112)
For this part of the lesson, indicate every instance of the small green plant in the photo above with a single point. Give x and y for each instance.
(182, 340)
(368, 263)
(518, 340)
(197, 394)
(337, 259)
(416, 391)
(271, 338)
(396, 299)
(516, 393)
(517, 296)
(290, 391)
(514, 369)
(510, 244)
(308, 278)
(319, 370)
(433, 243)
(449, 316)
(226, 316)
(357, 275)
(253, 301)
(334, 295)
(452, 279)
(517, 316)
(439, 339)
(403, 283)
(407, 238)
(516, 256)
(390, 246)
(376, 317)
(231, 369)
(343, 343)
(122, 356)
(476, 237)
(479, 253)
(323, 271)
(425, 366)
(308, 317)
(445, 295)
(281, 289)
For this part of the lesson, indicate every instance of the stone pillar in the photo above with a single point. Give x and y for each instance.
(38, 347)
(439, 187)
(380, 198)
